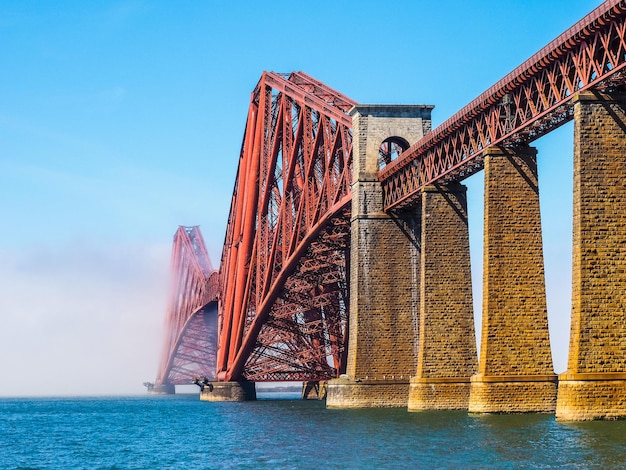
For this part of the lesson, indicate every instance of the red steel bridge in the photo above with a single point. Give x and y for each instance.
(277, 309)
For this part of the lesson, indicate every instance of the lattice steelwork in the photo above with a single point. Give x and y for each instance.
(531, 101)
(191, 323)
(284, 305)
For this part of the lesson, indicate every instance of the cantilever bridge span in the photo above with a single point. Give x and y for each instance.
(286, 308)
(190, 343)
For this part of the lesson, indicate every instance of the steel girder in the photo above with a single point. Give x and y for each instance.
(191, 324)
(529, 102)
(284, 302)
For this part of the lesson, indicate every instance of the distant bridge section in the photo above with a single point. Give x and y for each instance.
(190, 346)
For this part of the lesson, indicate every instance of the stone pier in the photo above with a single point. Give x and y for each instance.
(384, 268)
(447, 344)
(594, 386)
(228, 391)
(515, 372)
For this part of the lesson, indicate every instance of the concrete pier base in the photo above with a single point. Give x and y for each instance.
(438, 394)
(162, 389)
(346, 393)
(513, 394)
(586, 397)
(594, 386)
(228, 391)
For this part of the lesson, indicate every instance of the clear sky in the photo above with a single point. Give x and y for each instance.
(120, 120)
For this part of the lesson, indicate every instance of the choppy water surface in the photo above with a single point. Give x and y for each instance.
(182, 432)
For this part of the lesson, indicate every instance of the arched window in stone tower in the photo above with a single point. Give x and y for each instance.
(390, 149)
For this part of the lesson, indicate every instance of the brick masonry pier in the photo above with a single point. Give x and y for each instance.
(594, 386)
(446, 345)
(515, 367)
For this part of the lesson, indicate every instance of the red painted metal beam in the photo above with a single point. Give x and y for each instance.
(529, 102)
(290, 209)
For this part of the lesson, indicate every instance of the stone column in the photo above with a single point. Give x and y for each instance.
(447, 343)
(594, 386)
(384, 270)
(515, 372)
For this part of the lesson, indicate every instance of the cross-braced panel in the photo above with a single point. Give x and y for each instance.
(195, 353)
(304, 335)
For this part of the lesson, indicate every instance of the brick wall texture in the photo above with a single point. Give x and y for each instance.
(515, 338)
(595, 384)
(447, 345)
(384, 270)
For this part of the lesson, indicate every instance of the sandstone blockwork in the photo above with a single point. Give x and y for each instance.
(384, 272)
(446, 344)
(384, 269)
(594, 387)
(431, 394)
(513, 395)
(344, 393)
(582, 398)
(411, 336)
(515, 339)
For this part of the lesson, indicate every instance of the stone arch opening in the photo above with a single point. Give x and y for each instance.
(390, 149)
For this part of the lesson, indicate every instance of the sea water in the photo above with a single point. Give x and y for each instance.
(161, 432)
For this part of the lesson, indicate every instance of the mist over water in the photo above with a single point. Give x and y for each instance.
(182, 432)
(83, 318)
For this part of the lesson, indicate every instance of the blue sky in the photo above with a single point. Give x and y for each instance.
(120, 120)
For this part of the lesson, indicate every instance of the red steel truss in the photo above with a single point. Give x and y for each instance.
(284, 302)
(191, 324)
(529, 102)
